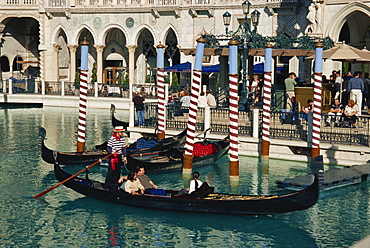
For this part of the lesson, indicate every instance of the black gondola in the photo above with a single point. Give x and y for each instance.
(69, 158)
(205, 153)
(116, 122)
(202, 200)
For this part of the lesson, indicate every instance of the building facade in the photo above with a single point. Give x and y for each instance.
(41, 38)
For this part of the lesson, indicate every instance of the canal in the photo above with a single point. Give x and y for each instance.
(64, 218)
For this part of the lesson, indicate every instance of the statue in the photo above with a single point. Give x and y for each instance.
(314, 17)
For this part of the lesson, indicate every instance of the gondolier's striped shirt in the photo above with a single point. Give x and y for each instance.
(115, 144)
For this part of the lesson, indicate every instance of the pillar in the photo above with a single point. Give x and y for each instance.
(99, 67)
(131, 67)
(56, 62)
(72, 55)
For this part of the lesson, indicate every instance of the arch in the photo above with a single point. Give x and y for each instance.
(109, 27)
(342, 16)
(166, 32)
(59, 28)
(140, 29)
(5, 65)
(75, 38)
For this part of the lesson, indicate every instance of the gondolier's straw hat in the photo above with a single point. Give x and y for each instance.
(118, 129)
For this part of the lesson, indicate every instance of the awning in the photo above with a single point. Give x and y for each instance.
(186, 67)
(260, 68)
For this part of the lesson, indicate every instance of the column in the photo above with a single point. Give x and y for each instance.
(131, 67)
(99, 67)
(72, 54)
(56, 62)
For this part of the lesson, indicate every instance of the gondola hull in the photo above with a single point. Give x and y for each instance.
(71, 158)
(172, 160)
(68, 158)
(203, 200)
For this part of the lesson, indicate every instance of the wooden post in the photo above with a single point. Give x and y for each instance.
(160, 83)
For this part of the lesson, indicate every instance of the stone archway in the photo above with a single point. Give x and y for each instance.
(145, 58)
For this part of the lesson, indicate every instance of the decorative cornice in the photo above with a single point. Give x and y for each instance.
(176, 9)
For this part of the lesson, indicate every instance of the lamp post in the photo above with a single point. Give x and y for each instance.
(244, 35)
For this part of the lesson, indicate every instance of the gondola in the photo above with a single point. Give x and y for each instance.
(68, 158)
(203, 200)
(145, 145)
(116, 122)
(204, 152)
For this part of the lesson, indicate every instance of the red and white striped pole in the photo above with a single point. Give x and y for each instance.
(83, 96)
(195, 89)
(160, 84)
(265, 147)
(315, 150)
(233, 109)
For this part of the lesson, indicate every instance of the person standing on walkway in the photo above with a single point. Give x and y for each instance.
(116, 146)
(355, 89)
(290, 84)
(337, 85)
(211, 101)
(139, 107)
(202, 100)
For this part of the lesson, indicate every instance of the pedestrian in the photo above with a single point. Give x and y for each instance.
(335, 113)
(185, 103)
(355, 89)
(211, 101)
(290, 84)
(202, 100)
(139, 107)
(350, 114)
(337, 85)
(367, 89)
(117, 147)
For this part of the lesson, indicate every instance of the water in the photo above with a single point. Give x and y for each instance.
(64, 218)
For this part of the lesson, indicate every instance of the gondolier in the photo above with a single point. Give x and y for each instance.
(116, 146)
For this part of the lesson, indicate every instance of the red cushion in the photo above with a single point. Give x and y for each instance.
(202, 150)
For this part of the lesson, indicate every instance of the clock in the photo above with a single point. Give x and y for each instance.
(97, 22)
(130, 22)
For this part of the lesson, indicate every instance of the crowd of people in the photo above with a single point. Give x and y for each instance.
(349, 89)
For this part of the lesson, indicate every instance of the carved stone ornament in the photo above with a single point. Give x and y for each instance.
(97, 22)
(130, 22)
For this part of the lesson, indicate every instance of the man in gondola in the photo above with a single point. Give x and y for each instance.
(117, 147)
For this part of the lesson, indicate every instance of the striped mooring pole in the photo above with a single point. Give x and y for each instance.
(195, 88)
(233, 109)
(265, 147)
(315, 149)
(160, 83)
(83, 96)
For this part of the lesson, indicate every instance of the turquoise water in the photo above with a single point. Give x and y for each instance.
(64, 218)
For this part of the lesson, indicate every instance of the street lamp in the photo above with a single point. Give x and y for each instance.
(244, 35)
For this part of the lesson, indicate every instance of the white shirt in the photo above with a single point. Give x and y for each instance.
(202, 101)
(192, 185)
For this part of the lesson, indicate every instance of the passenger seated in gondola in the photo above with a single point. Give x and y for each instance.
(149, 186)
(194, 185)
(133, 185)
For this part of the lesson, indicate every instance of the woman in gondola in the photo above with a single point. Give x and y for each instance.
(194, 185)
(133, 185)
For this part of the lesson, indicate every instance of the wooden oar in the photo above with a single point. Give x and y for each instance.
(69, 178)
